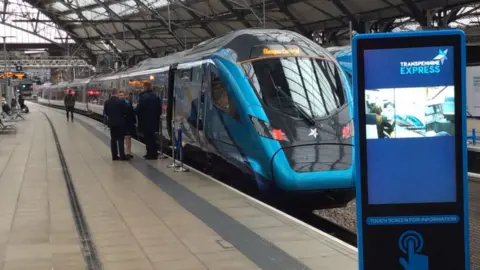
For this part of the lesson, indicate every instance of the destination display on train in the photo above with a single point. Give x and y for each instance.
(276, 50)
(412, 98)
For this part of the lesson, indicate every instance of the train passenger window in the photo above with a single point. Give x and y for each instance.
(221, 98)
(61, 93)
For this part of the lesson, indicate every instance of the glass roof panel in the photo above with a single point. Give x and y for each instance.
(59, 6)
(72, 16)
(27, 32)
(82, 3)
(155, 3)
(159, 4)
(125, 8)
(95, 14)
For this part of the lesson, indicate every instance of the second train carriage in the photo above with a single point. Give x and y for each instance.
(344, 57)
(271, 103)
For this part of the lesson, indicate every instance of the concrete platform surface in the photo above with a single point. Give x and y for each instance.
(139, 214)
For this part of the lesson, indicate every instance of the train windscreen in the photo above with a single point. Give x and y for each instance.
(298, 86)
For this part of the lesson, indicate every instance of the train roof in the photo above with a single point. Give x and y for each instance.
(237, 44)
(59, 85)
(333, 50)
(80, 81)
(343, 54)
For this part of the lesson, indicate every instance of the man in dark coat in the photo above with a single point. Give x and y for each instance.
(23, 107)
(115, 109)
(148, 111)
(69, 102)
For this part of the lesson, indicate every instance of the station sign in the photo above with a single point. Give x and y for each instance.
(410, 115)
(12, 75)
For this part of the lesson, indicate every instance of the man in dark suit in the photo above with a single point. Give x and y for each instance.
(148, 111)
(115, 109)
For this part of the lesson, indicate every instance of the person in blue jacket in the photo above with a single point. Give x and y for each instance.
(148, 111)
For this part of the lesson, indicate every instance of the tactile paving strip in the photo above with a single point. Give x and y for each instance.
(92, 262)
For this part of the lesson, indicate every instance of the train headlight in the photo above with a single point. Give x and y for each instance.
(264, 129)
(348, 130)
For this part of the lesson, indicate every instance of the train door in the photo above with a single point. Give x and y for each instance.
(170, 102)
(221, 118)
(202, 106)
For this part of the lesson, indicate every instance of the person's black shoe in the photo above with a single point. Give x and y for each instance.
(129, 156)
(124, 158)
(115, 158)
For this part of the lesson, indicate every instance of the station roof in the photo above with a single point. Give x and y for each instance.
(150, 27)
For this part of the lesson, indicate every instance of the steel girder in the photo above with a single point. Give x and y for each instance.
(149, 51)
(418, 14)
(284, 9)
(171, 28)
(50, 62)
(109, 43)
(38, 4)
(51, 41)
(357, 25)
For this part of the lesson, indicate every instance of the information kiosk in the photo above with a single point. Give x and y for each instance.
(411, 152)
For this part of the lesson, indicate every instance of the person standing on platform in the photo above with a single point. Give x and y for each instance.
(13, 104)
(69, 102)
(115, 110)
(148, 111)
(23, 107)
(130, 120)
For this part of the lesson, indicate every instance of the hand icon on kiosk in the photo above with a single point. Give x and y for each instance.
(411, 243)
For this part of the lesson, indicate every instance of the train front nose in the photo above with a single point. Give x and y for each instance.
(313, 167)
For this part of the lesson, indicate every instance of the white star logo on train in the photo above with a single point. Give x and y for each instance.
(313, 132)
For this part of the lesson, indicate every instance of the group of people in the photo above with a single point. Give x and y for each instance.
(13, 105)
(121, 118)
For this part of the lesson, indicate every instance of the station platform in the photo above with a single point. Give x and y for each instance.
(78, 209)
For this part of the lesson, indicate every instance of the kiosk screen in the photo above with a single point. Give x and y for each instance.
(410, 130)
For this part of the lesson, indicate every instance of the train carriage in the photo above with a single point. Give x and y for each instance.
(270, 104)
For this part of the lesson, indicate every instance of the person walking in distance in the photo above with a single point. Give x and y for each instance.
(130, 120)
(148, 111)
(115, 110)
(69, 102)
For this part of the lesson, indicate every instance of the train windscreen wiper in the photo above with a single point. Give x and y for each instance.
(305, 115)
(302, 112)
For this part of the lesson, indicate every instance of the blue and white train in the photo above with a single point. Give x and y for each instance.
(271, 104)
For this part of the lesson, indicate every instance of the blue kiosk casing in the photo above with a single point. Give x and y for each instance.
(410, 120)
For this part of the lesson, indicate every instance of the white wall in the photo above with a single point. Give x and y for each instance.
(473, 90)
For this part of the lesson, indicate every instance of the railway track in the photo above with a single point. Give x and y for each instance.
(326, 225)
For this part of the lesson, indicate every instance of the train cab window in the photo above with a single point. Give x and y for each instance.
(53, 94)
(300, 87)
(78, 93)
(221, 98)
